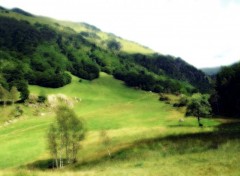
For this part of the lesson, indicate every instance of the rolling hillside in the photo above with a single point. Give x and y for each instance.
(42, 49)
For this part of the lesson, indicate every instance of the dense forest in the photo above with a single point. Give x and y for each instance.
(226, 98)
(40, 54)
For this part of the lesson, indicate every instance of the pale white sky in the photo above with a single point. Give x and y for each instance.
(205, 33)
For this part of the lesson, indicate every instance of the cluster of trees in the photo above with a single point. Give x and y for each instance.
(12, 74)
(85, 70)
(145, 80)
(9, 96)
(21, 36)
(49, 78)
(80, 63)
(175, 68)
(114, 45)
(64, 136)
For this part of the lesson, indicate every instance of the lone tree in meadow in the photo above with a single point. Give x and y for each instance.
(64, 136)
(199, 107)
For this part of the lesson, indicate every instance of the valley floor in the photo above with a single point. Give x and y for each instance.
(145, 136)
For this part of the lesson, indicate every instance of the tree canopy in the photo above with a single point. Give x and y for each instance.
(199, 106)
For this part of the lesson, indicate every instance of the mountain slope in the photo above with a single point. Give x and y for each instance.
(42, 49)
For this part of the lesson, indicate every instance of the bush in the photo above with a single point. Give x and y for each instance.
(163, 98)
(42, 98)
(183, 101)
(85, 70)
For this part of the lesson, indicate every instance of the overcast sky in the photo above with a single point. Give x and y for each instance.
(205, 33)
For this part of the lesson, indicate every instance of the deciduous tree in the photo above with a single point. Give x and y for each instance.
(198, 107)
(14, 94)
(64, 136)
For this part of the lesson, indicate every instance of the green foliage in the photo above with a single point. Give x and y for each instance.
(183, 101)
(163, 97)
(226, 99)
(4, 95)
(64, 136)
(17, 112)
(14, 95)
(85, 70)
(199, 106)
(20, 36)
(175, 68)
(42, 97)
(9, 96)
(22, 87)
(114, 45)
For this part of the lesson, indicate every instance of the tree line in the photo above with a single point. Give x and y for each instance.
(225, 99)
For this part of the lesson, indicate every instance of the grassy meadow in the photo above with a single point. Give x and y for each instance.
(145, 135)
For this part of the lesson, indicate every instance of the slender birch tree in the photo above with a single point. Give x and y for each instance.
(64, 136)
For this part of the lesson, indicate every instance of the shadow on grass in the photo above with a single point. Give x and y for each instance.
(40, 165)
(171, 145)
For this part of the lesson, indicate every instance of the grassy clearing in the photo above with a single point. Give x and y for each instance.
(128, 116)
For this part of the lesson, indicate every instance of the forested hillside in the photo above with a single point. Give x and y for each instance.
(226, 100)
(40, 51)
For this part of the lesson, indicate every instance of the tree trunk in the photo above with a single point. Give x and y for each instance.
(67, 154)
(56, 161)
(199, 123)
(61, 152)
(198, 118)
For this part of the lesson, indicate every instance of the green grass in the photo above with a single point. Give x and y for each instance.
(131, 118)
